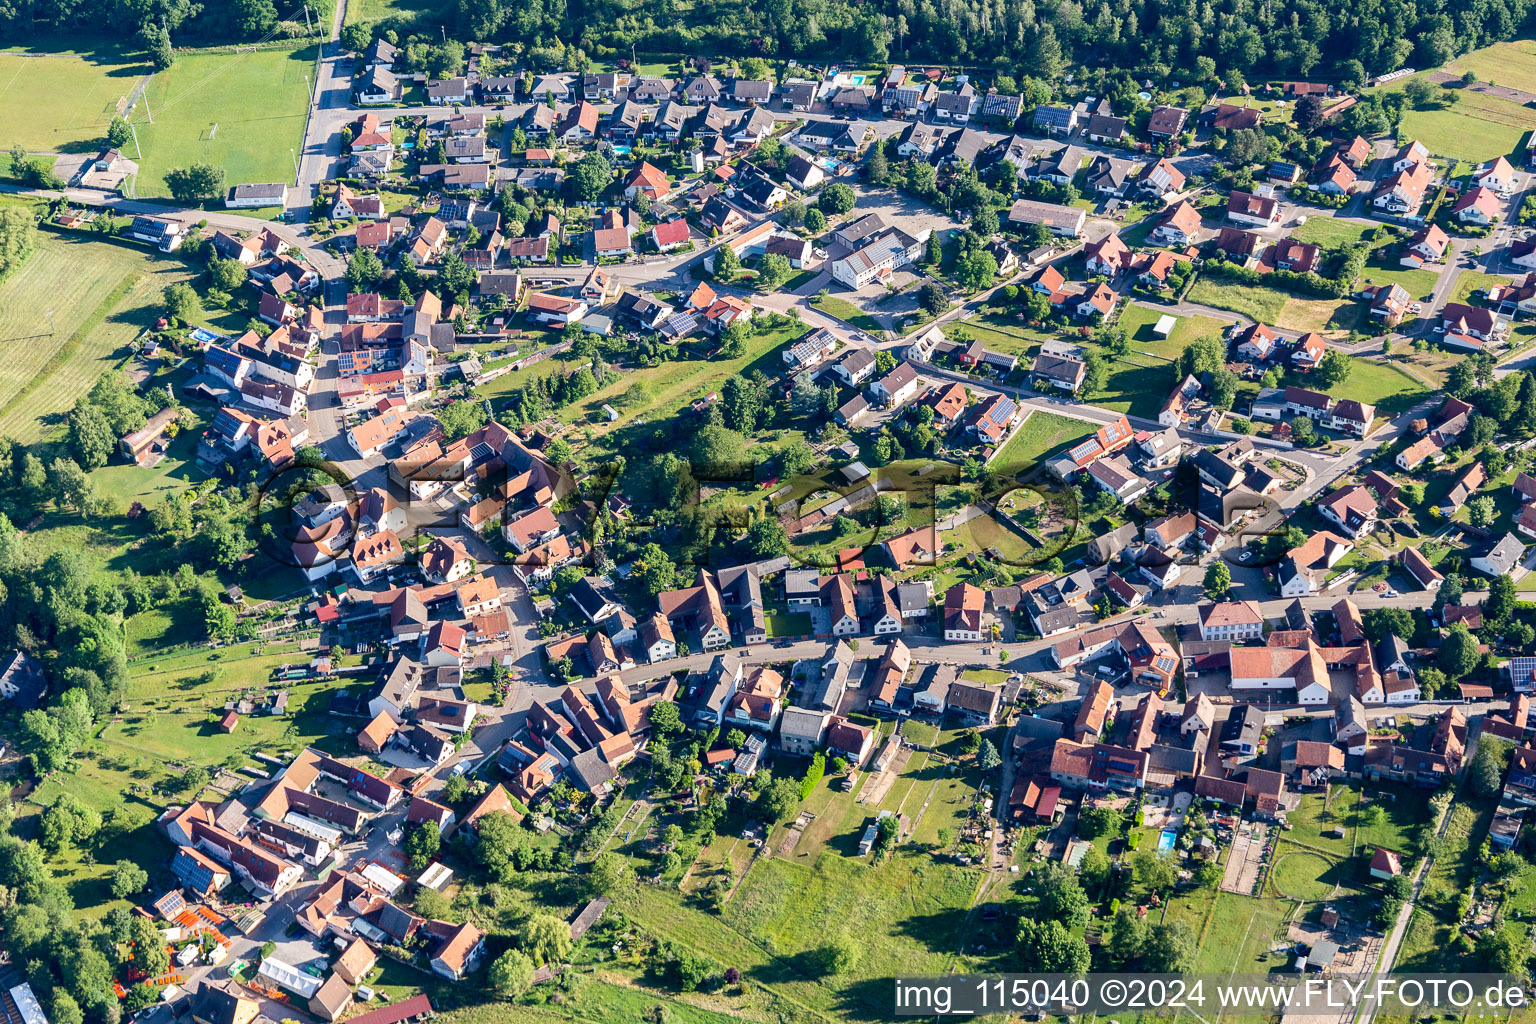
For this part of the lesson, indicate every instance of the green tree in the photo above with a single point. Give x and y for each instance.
(1154, 870)
(1127, 935)
(1500, 951)
(772, 271)
(609, 872)
(1419, 92)
(656, 569)
(18, 235)
(1485, 774)
(766, 538)
(498, 841)
(1060, 896)
(1047, 947)
(118, 132)
(510, 974)
(1334, 368)
(974, 270)
(149, 954)
(462, 418)
(91, 438)
(1218, 580)
(364, 268)
(931, 298)
(837, 198)
(159, 46)
(62, 1009)
(181, 302)
(1099, 821)
(545, 937)
(422, 844)
(227, 275)
(196, 184)
(127, 879)
(815, 221)
(1458, 653)
(779, 801)
(841, 955)
(987, 757)
(1379, 622)
(1170, 948)
(590, 176)
(665, 718)
(1501, 596)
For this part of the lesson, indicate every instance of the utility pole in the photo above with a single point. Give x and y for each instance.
(146, 107)
(138, 153)
(295, 166)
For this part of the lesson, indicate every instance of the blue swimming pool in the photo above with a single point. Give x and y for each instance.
(621, 150)
(207, 337)
(1166, 840)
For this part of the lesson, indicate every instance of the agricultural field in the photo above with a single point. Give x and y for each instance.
(114, 292)
(63, 103)
(242, 111)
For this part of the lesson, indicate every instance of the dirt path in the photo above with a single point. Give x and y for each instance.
(1503, 92)
(338, 18)
(874, 792)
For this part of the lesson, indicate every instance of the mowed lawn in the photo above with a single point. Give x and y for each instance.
(63, 104)
(1379, 384)
(1039, 436)
(101, 295)
(1139, 320)
(241, 111)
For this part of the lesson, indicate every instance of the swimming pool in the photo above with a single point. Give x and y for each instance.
(204, 335)
(621, 150)
(858, 79)
(1166, 840)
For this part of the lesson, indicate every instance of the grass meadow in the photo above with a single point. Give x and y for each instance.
(113, 292)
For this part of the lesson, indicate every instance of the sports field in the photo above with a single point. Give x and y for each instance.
(243, 111)
(113, 292)
(62, 104)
